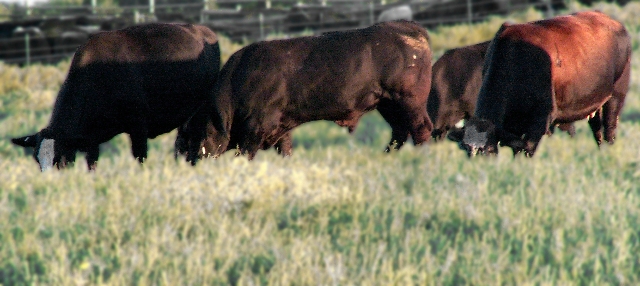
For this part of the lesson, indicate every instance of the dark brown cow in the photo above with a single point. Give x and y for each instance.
(551, 71)
(143, 80)
(457, 78)
(268, 88)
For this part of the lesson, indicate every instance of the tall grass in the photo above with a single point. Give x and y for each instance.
(338, 212)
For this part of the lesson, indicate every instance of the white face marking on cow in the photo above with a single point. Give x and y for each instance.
(474, 138)
(46, 154)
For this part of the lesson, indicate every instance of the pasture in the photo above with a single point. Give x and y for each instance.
(338, 212)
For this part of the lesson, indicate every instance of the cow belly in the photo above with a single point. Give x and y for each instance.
(579, 111)
(167, 115)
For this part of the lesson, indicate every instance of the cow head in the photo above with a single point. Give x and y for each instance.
(477, 136)
(46, 153)
(194, 144)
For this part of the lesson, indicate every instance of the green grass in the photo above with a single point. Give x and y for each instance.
(342, 213)
(338, 212)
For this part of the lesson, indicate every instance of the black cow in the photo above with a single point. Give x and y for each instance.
(457, 78)
(268, 88)
(551, 71)
(143, 80)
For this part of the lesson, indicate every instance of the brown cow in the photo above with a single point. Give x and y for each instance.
(551, 71)
(143, 80)
(268, 88)
(457, 78)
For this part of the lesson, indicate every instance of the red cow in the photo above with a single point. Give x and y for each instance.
(457, 78)
(546, 72)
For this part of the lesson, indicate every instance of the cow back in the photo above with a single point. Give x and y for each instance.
(321, 71)
(146, 43)
(152, 76)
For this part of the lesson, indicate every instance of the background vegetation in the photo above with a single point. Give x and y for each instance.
(337, 212)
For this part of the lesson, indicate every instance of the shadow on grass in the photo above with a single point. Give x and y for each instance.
(631, 116)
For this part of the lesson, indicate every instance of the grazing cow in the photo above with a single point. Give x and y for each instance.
(551, 71)
(268, 88)
(457, 78)
(143, 80)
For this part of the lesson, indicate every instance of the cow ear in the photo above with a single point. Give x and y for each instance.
(456, 134)
(26, 141)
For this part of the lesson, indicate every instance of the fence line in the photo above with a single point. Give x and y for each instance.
(257, 24)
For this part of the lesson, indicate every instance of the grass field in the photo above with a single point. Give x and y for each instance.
(338, 212)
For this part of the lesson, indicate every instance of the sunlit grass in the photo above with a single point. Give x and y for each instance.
(338, 212)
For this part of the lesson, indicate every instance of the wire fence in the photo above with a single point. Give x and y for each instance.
(48, 33)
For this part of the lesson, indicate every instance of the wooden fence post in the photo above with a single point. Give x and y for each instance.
(371, 19)
(27, 49)
(28, 4)
(469, 11)
(550, 12)
(261, 19)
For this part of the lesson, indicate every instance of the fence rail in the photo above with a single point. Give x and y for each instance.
(241, 24)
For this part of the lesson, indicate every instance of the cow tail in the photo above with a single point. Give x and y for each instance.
(492, 46)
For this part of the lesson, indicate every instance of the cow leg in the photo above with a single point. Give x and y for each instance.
(595, 123)
(180, 146)
(252, 140)
(444, 123)
(440, 128)
(610, 111)
(285, 145)
(552, 129)
(416, 118)
(569, 128)
(93, 152)
(536, 130)
(251, 146)
(139, 142)
(139, 147)
(69, 158)
(399, 128)
(612, 108)
(64, 156)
